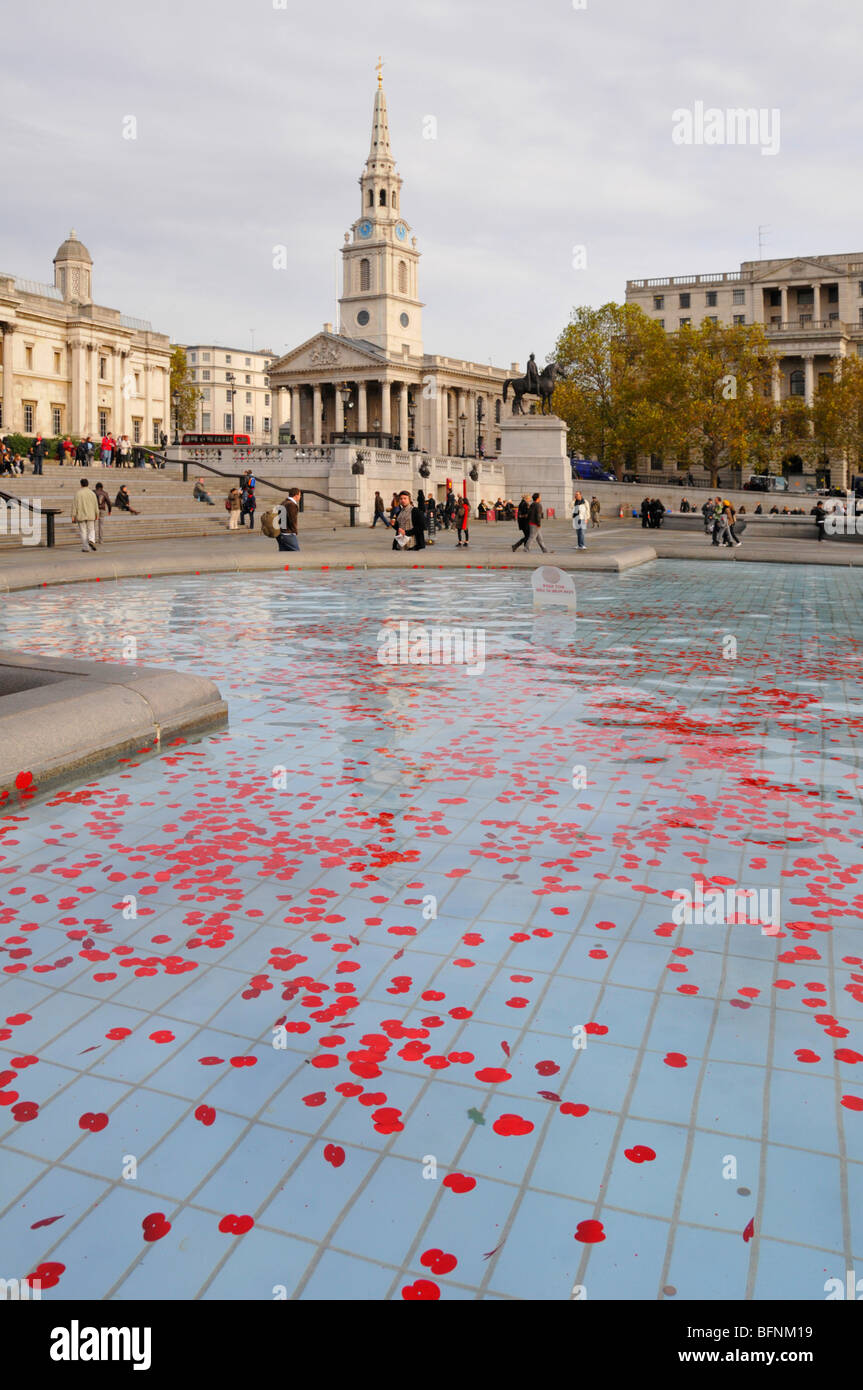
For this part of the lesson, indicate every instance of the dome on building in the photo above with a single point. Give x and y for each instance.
(73, 250)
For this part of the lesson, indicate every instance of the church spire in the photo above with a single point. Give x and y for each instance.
(380, 158)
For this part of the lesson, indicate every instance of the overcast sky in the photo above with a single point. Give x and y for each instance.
(554, 131)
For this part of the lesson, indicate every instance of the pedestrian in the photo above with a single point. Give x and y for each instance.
(645, 513)
(104, 507)
(820, 513)
(449, 509)
(707, 513)
(122, 501)
(402, 522)
(289, 535)
(580, 514)
(418, 521)
(462, 520)
(233, 504)
(594, 511)
(534, 516)
(657, 512)
(394, 508)
(431, 520)
(37, 453)
(247, 499)
(522, 521)
(105, 452)
(85, 514)
(380, 511)
(684, 506)
(200, 493)
(730, 518)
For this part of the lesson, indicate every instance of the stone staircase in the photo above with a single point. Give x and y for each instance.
(165, 503)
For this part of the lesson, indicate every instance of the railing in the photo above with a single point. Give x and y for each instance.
(669, 280)
(48, 512)
(798, 326)
(276, 487)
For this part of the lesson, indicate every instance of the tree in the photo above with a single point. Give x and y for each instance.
(726, 411)
(617, 397)
(183, 383)
(837, 415)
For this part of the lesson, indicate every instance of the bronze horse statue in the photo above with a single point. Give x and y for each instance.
(548, 378)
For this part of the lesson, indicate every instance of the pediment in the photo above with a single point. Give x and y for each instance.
(800, 268)
(326, 351)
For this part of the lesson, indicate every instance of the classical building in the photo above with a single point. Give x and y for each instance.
(811, 309)
(233, 390)
(368, 380)
(70, 366)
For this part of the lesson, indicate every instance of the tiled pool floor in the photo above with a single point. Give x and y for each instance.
(378, 993)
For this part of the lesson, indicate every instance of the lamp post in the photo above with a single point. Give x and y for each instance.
(479, 420)
(175, 397)
(345, 392)
(463, 423)
(229, 376)
(412, 415)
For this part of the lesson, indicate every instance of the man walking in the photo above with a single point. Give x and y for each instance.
(403, 522)
(522, 521)
(38, 453)
(594, 511)
(534, 517)
(85, 513)
(288, 538)
(579, 519)
(380, 511)
(820, 512)
(104, 506)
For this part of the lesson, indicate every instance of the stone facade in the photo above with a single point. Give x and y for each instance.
(370, 381)
(233, 390)
(72, 366)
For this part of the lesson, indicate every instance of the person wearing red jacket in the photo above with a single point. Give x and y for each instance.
(462, 516)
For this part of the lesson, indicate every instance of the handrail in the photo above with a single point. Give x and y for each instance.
(48, 512)
(276, 487)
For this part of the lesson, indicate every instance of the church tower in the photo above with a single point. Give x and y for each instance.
(380, 294)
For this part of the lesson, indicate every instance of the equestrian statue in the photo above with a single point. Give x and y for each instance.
(534, 383)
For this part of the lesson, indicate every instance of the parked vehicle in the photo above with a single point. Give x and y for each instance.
(591, 471)
(765, 482)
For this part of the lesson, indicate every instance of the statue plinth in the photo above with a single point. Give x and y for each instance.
(533, 452)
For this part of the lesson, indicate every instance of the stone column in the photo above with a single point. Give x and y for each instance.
(809, 377)
(275, 412)
(777, 384)
(403, 415)
(148, 406)
(316, 413)
(816, 303)
(419, 418)
(76, 390)
(117, 394)
(783, 296)
(8, 340)
(296, 414)
(386, 414)
(92, 426)
(362, 407)
(444, 420)
(340, 409)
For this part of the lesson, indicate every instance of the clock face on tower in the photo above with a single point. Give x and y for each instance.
(401, 231)
(365, 229)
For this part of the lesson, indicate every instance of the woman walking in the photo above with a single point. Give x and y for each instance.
(462, 514)
(232, 506)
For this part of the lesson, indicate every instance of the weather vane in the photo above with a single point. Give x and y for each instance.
(380, 72)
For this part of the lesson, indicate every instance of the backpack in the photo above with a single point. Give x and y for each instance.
(270, 524)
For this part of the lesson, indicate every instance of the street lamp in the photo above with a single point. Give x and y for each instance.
(463, 421)
(229, 376)
(175, 397)
(479, 420)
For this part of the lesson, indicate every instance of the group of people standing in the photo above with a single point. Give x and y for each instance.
(419, 521)
(652, 512)
(719, 519)
(240, 502)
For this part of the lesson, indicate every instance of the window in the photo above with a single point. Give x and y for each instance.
(103, 369)
(205, 374)
(249, 424)
(806, 296)
(137, 430)
(659, 301)
(266, 398)
(497, 412)
(833, 318)
(56, 367)
(738, 318)
(205, 357)
(29, 416)
(56, 419)
(103, 422)
(157, 432)
(372, 201)
(365, 274)
(775, 321)
(228, 422)
(137, 383)
(805, 318)
(661, 322)
(193, 357)
(656, 463)
(265, 426)
(683, 322)
(684, 301)
(711, 318)
(797, 384)
(227, 359)
(738, 296)
(860, 319)
(403, 277)
(247, 363)
(775, 299)
(860, 288)
(28, 357)
(395, 199)
(228, 395)
(832, 294)
(206, 393)
(711, 299)
(248, 398)
(382, 198)
(205, 421)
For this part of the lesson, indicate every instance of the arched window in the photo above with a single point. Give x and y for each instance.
(383, 198)
(403, 278)
(371, 197)
(497, 412)
(365, 274)
(395, 199)
(798, 383)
